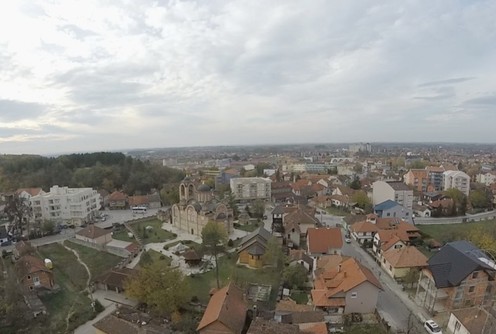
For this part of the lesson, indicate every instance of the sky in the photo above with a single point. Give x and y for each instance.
(84, 76)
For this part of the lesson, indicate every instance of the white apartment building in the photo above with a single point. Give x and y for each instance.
(63, 204)
(486, 178)
(392, 190)
(249, 188)
(456, 179)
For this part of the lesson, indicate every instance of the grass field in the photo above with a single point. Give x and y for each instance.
(156, 234)
(201, 285)
(450, 232)
(151, 256)
(69, 307)
(98, 262)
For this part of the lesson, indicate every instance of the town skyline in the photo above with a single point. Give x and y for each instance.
(93, 76)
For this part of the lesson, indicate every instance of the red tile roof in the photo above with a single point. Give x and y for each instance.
(321, 240)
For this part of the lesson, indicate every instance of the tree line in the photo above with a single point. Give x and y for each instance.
(102, 170)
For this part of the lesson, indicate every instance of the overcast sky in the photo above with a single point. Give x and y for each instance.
(110, 75)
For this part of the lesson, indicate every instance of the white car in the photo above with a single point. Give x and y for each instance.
(432, 328)
(347, 240)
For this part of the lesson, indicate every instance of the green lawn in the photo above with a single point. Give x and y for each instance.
(300, 297)
(365, 329)
(450, 232)
(156, 234)
(151, 256)
(97, 261)
(337, 211)
(69, 302)
(200, 285)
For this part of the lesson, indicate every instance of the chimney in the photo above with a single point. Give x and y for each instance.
(339, 268)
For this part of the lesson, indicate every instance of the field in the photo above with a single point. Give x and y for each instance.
(156, 234)
(151, 256)
(97, 261)
(450, 232)
(70, 307)
(228, 271)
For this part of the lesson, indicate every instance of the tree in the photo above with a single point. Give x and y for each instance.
(295, 276)
(482, 239)
(231, 201)
(479, 199)
(273, 254)
(459, 201)
(18, 211)
(356, 184)
(48, 227)
(358, 168)
(258, 208)
(362, 200)
(411, 277)
(163, 289)
(214, 241)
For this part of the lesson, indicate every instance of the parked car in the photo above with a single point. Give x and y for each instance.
(347, 240)
(432, 327)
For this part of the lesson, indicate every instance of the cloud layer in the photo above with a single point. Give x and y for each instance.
(99, 75)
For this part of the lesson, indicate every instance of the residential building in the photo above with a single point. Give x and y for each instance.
(435, 175)
(129, 320)
(33, 274)
(324, 241)
(348, 288)
(473, 320)
(459, 275)
(225, 312)
(197, 207)
(399, 262)
(418, 179)
(250, 188)
(365, 230)
(64, 203)
(392, 190)
(94, 234)
(458, 180)
(253, 247)
(486, 178)
(114, 279)
(392, 209)
(117, 200)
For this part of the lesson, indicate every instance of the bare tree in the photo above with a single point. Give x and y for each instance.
(19, 213)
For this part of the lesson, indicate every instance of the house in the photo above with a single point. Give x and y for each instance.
(313, 328)
(138, 200)
(193, 257)
(94, 234)
(225, 312)
(364, 231)
(117, 200)
(421, 210)
(391, 208)
(259, 326)
(104, 198)
(473, 320)
(459, 275)
(300, 257)
(27, 193)
(129, 320)
(386, 239)
(348, 288)
(486, 178)
(398, 262)
(114, 279)
(305, 219)
(326, 262)
(393, 190)
(253, 247)
(33, 274)
(324, 241)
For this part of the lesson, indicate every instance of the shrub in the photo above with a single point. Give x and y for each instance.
(98, 306)
(194, 299)
(162, 257)
(166, 247)
(230, 243)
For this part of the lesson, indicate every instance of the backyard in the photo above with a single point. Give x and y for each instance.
(154, 233)
(97, 261)
(69, 307)
(228, 271)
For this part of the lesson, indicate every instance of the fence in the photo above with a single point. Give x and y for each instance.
(457, 220)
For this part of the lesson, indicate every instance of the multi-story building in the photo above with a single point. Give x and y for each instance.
(458, 180)
(392, 190)
(64, 204)
(418, 179)
(435, 175)
(486, 178)
(250, 188)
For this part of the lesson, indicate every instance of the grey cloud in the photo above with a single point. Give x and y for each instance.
(446, 81)
(482, 101)
(16, 110)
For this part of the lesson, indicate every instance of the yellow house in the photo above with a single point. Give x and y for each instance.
(253, 247)
(399, 261)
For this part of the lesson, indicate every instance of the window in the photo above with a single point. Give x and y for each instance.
(471, 289)
(388, 214)
(475, 274)
(354, 294)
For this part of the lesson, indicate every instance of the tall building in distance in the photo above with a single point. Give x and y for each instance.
(250, 188)
(458, 180)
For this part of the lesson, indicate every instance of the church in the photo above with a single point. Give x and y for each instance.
(197, 206)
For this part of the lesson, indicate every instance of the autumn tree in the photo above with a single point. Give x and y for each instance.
(362, 200)
(459, 201)
(483, 239)
(163, 289)
(214, 241)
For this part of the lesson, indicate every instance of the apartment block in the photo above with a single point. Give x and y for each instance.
(63, 204)
(392, 190)
(458, 180)
(250, 188)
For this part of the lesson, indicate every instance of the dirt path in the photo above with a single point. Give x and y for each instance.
(83, 264)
